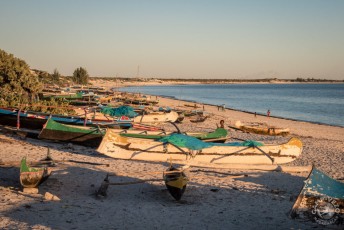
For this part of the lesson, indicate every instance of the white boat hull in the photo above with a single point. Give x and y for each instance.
(140, 149)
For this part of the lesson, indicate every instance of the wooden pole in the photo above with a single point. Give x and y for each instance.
(85, 120)
(134, 182)
(18, 119)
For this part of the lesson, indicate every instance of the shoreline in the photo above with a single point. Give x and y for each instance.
(160, 82)
(249, 117)
(244, 111)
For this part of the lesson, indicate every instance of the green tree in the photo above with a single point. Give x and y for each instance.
(80, 76)
(17, 83)
(56, 76)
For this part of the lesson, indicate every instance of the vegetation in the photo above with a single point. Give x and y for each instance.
(52, 106)
(17, 83)
(20, 86)
(80, 76)
(56, 76)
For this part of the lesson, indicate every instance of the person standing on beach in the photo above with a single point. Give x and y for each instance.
(268, 113)
(222, 124)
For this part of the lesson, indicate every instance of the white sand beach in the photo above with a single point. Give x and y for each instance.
(214, 198)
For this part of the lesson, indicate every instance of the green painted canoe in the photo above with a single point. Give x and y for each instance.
(83, 135)
(219, 133)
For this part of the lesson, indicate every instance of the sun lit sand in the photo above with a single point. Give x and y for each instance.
(214, 198)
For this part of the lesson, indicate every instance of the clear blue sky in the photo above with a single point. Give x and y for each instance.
(178, 38)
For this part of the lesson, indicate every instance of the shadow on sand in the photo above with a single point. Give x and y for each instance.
(213, 200)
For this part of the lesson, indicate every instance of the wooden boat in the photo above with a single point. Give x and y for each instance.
(34, 120)
(175, 182)
(199, 119)
(192, 105)
(68, 96)
(139, 100)
(156, 117)
(83, 135)
(218, 134)
(117, 146)
(31, 177)
(321, 200)
(262, 128)
(193, 113)
(146, 127)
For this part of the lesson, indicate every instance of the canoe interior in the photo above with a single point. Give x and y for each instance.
(31, 177)
(321, 200)
(175, 182)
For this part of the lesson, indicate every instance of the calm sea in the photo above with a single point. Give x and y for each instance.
(320, 103)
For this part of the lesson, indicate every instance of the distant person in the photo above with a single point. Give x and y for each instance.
(222, 124)
(268, 113)
(255, 114)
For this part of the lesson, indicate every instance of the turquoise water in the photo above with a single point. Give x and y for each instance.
(320, 103)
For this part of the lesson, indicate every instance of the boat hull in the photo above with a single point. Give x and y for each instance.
(321, 200)
(175, 182)
(272, 131)
(86, 136)
(128, 148)
(35, 121)
(32, 177)
(157, 117)
(262, 128)
(217, 134)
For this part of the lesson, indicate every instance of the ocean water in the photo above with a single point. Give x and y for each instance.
(319, 103)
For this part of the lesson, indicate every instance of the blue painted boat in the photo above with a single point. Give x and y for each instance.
(321, 200)
(35, 120)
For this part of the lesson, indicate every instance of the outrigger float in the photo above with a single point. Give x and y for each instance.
(175, 181)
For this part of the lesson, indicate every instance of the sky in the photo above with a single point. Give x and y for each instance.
(243, 39)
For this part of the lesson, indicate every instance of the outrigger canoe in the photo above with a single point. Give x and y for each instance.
(82, 135)
(31, 177)
(199, 119)
(262, 128)
(218, 135)
(197, 152)
(156, 117)
(175, 182)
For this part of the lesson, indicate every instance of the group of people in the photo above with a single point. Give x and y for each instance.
(267, 113)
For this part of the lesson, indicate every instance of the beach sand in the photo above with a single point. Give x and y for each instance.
(214, 198)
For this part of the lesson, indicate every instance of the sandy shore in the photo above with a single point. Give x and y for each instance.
(214, 199)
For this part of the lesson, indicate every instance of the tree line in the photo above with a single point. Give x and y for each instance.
(19, 84)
